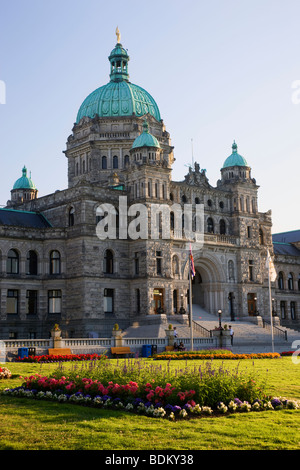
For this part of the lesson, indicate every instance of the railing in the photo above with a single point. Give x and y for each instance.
(97, 345)
(201, 329)
(276, 329)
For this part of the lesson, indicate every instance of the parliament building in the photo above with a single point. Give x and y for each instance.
(54, 267)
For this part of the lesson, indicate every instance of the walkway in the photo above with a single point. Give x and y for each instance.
(248, 337)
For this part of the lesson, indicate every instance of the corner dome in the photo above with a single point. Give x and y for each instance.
(119, 97)
(24, 182)
(235, 159)
(145, 139)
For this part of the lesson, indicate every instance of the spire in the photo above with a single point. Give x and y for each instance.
(118, 34)
(119, 61)
(234, 147)
(24, 171)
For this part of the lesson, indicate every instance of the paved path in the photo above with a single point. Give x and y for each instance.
(248, 337)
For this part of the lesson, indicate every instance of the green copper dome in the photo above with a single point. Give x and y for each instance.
(145, 139)
(119, 97)
(235, 159)
(24, 182)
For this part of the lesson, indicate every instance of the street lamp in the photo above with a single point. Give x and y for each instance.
(220, 316)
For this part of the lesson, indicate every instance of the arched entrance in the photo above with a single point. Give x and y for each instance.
(208, 285)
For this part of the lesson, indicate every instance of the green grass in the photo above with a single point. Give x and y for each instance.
(27, 424)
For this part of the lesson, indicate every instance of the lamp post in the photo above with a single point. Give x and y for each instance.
(220, 316)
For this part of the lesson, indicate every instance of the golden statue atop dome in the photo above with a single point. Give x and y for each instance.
(118, 34)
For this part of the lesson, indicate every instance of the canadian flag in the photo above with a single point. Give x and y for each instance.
(270, 266)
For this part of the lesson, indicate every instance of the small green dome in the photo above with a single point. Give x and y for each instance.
(24, 182)
(235, 159)
(145, 139)
(119, 97)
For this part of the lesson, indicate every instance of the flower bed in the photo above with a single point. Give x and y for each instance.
(5, 373)
(158, 409)
(207, 355)
(153, 388)
(61, 358)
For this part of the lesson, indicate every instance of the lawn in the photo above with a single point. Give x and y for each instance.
(28, 424)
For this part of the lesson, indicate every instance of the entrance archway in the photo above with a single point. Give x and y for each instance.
(208, 284)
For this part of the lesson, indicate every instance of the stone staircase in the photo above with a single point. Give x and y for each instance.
(248, 336)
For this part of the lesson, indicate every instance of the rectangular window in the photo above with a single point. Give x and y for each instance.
(282, 309)
(31, 302)
(12, 301)
(293, 310)
(54, 301)
(138, 300)
(158, 262)
(108, 300)
(251, 270)
(249, 231)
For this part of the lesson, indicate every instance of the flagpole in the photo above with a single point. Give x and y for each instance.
(191, 308)
(270, 306)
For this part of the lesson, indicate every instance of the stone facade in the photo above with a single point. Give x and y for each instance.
(87, 284)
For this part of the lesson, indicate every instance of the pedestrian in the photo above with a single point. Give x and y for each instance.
(175, 332)
(231, 334)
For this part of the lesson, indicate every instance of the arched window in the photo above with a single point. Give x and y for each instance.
(231, 270)
(210, 225)
(115, 162)
(261, 237)
(31, 263)
(71, 217)
(290, 281)
(126, 160)
(280, 281)
(12, 264)
(197, 200)
(108, 262)
(184, 198)
(104, 163)
(55, 262)
(222, 227)
(175, 265)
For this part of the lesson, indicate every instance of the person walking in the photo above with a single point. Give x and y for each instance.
(175, 332)
(231, 334)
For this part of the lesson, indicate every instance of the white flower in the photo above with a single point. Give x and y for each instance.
(129, 407)
(62, 397)
(171, 416)
(245, 406)
(222, 408)
(183, 413)
(256, 406)
(232, 405)
(207, 410)
(98, 401)
(196, 409)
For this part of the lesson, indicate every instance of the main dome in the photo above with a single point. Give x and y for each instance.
(119, 97)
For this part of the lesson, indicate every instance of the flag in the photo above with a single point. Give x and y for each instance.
(192, 267)
(271, 268)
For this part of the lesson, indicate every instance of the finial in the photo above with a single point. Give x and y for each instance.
(234, 146)
(118, 34)
(24, 171)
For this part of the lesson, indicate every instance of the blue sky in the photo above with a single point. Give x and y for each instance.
(219, 70)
